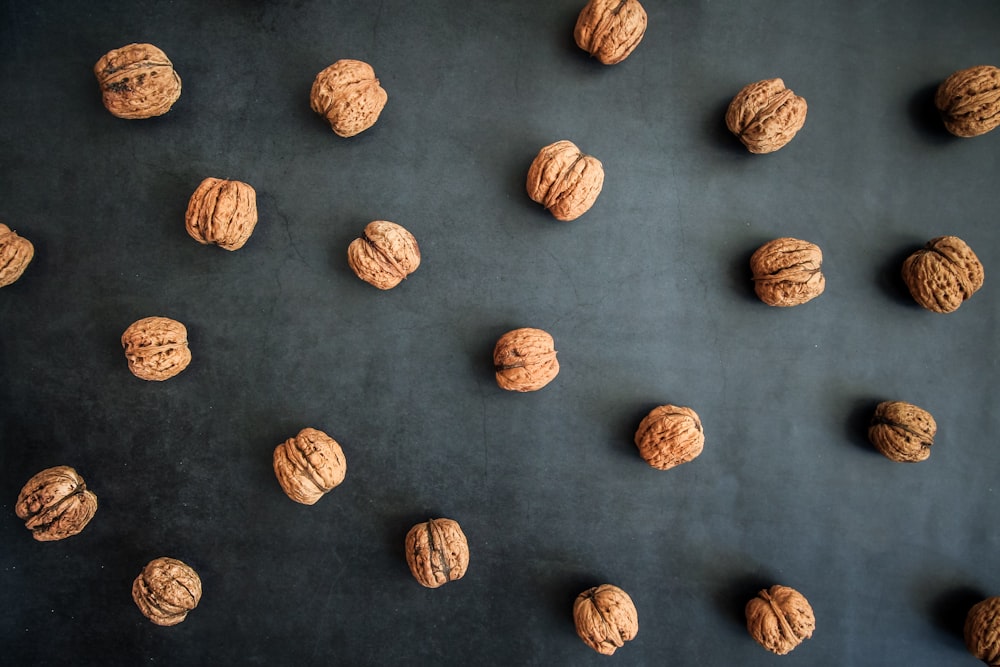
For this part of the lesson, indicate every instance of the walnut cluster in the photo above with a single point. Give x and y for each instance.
(765, 115)
(943, 274)
(349, 96)
(222, 212)
(15, 255)
(669, 436)
(525, 360)
(565, 180)
(902, 431)
(787, 272)
(55, 504)
(156, 348)
(166, 590)
(309, 465)
(610, 30)
(384, 255)
(969, 101)
(779, 619)
(437, 552)
(137, 81)
(605, 618)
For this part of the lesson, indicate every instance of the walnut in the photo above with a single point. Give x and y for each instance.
(982, 631)
(384, 255)
(605, 618)
(222, 212)
(564, 180)
(969, 101)
(309, 465)
(669, 436)
(137, 81)
(15, 254)
(610, 30)
(525, 360)
(765, 115)
(902, 432)
(156, 348)
(943, 274)
(166, 590)
(786, 272)
(437, 552)
(780, 619)
(55, 504)
(349, 96)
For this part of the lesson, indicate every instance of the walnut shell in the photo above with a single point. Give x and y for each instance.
(669, 436)
(969, 101)
(437, 552)
(384, 255)
(902, 432)
(765, 115)
(943, 274)
(309, 465)
(137, 81)
(982, 631)
(525, 360)
(349, 96)
(605, 618)
(610, 30)
(15, 254)
(55, 504)
(166, 590)
(156, 348)
(222, 212)
(779, 619)
(564, 180)
(786, 272)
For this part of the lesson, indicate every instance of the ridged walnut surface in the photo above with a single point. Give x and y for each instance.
(610, 30)
(15, 255)
(969, 101)
(384, 255)
(437, 552)
(166, 590)
(156, 348)
(765, 115)
(349, 96)
(55, 504)
(309, 465)
(669, 436)
(137, 81)
(779, 619)
(565, 180)
(982, 631)
(943, 274)
(525, 360)
(787, 272)
(222, 212)
(605, 618)
(902, 431)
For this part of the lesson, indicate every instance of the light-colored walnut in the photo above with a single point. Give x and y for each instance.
(525, 360)
(137, 81)
(765, 115)
(969, 101)
(309, 465)
(166, 590)
(902, 431)
(669, 436)
(943, 274)
(605, 618)
(156, 348)
(565, 180)
(349, 96)
(55, 504)
(610, 30)
(787, 272)
(222, 212)
(384, 255)
(16, 253)
(982, 631)
(779, 619)
(437, 552)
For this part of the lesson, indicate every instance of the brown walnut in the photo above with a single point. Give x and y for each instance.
(780, 619)
(669, 436)
(222, 212)
(610, 30)
(982, 631)
(969, 101)
(525, 360)
(564, 180)
(156, 348)
(902, 431)
(309, 465)
(166, 590)
(605, 618)
(15, 254)
(137, 81)
(787, 272)
(384, 255)
(437, 552)
(765, 115)
(55, 504)
(349, 96)
(943, 274)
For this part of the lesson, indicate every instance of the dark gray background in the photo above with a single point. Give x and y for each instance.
(647, 296)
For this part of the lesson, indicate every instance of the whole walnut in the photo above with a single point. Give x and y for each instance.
(15, 254)
(982, 631)
(137, 81)
(969, 101)
(222, 212)
(166, 590)
(765, 115)
(780, 619)
(605, 618)
(156, 348)
(55, 504)
(610, 30)
(309, 465)
(564, 180)
(669, 436)
(943, 274)
(902, 431)
(349, 96)
(787, 272)
(384, 255)
(525, 360)
(437, 552)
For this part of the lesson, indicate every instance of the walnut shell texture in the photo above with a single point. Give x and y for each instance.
(605, 618)
(787, 272)
(55, 504)
(309, 465)
(969, 101)
(16, 253)
(902, 431)
(525, 360)
(137, 81)
(943, 274)
(437, 552)
(669, 436)
(779, 619)
(156, 348)
(610, 30)
(565, 180)
(765, 115)
(222, 212)
(384, 255)
(349, 96)
(166, 590)
(982, 631)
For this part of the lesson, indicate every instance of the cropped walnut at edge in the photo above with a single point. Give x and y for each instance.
(787, 272)
(565, 180)
(765, 115)
(902, 431)
(384, 255)
(610, 30)
(525, 360)
(982, 630)
(222, 212)
(779, 619)
(969, 101)
(669, 436)
(437, 552)
(605, 618)
(166, 590)
(156, 348)
(349, 96)
(55, 504)
(943, 274)
(16, 253)
(309, 465)
(137, 81)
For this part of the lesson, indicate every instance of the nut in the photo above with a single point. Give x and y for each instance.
(525, 360)
(309, 465)
(780, 619)
(765, 115)
(605, 618)
(349, 96)
(969, 101)
(437, 552)
(55, 504)
(982, 630)
(156, 348)
(384, 255)
(786, 272)
(137, 81)
(610, 30)
(166, 590)
(15, 254)
(222, 212)
(943, 274)
(901, 431)
(564, 180)
(669, 436)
